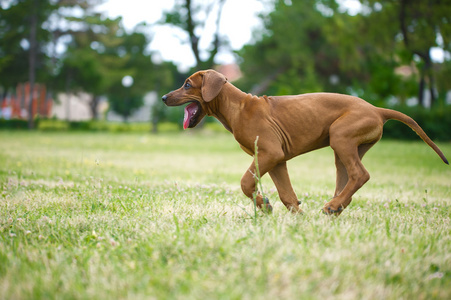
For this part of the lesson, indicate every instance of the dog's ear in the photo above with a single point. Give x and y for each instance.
(212, 84)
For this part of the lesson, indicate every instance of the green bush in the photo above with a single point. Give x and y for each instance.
(80, 125)
(60, 125)
(53, 125)
(15, 124)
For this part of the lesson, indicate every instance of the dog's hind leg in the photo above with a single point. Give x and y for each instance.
(342, 174)
(357, 176)
(350, 143)
(280, 177)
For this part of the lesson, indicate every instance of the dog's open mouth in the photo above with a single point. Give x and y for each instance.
(192, 111)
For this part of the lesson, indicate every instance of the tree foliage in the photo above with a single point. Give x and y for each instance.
(417, 27)
(15, 32)
(380, 53)
(98, 53)
(293, 54)
(99, 56)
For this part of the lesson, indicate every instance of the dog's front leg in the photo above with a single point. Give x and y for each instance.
(249, 179)
(280, 177)
(248, 186)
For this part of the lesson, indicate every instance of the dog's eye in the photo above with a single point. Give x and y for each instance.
(187, 85)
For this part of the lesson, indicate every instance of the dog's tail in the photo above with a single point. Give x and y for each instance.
(388, 114)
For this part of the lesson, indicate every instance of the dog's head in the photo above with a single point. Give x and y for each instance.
(198, 90)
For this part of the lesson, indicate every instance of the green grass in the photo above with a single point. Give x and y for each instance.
(136, 216)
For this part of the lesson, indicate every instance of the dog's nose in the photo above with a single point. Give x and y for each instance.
(164, 98)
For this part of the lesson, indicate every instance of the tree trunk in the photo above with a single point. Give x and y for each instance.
(432, 91)
(194, 40)
(155, 126)
(68, 96)
(421, 90)
(430, 74)
(426, 77)
(423, 51)
(94, 104)
(32, 60)
(217, 38)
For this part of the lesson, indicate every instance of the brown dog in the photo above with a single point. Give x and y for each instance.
(287, 126)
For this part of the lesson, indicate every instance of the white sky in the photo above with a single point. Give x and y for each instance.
(239, 19)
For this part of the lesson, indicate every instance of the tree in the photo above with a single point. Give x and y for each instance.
(15, 40)
(99, 56)
(167, 79)
(316, 46)
(22, 49)
(417, 27)
(367, 56)
(293, 54)
(91, 62)
(28, 28)
(32, 57)
(422, 24)
(191, 18)
(137, 64)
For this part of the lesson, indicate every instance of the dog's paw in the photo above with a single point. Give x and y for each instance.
(328, 210)
(266, 206)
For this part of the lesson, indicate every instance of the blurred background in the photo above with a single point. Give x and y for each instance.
(98, 65)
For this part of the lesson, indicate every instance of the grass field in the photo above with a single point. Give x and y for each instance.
(135, 216)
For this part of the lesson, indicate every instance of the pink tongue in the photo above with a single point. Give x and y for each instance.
(190, 111)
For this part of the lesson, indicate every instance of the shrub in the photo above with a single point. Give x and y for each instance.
(15, 124)
(436, 123)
